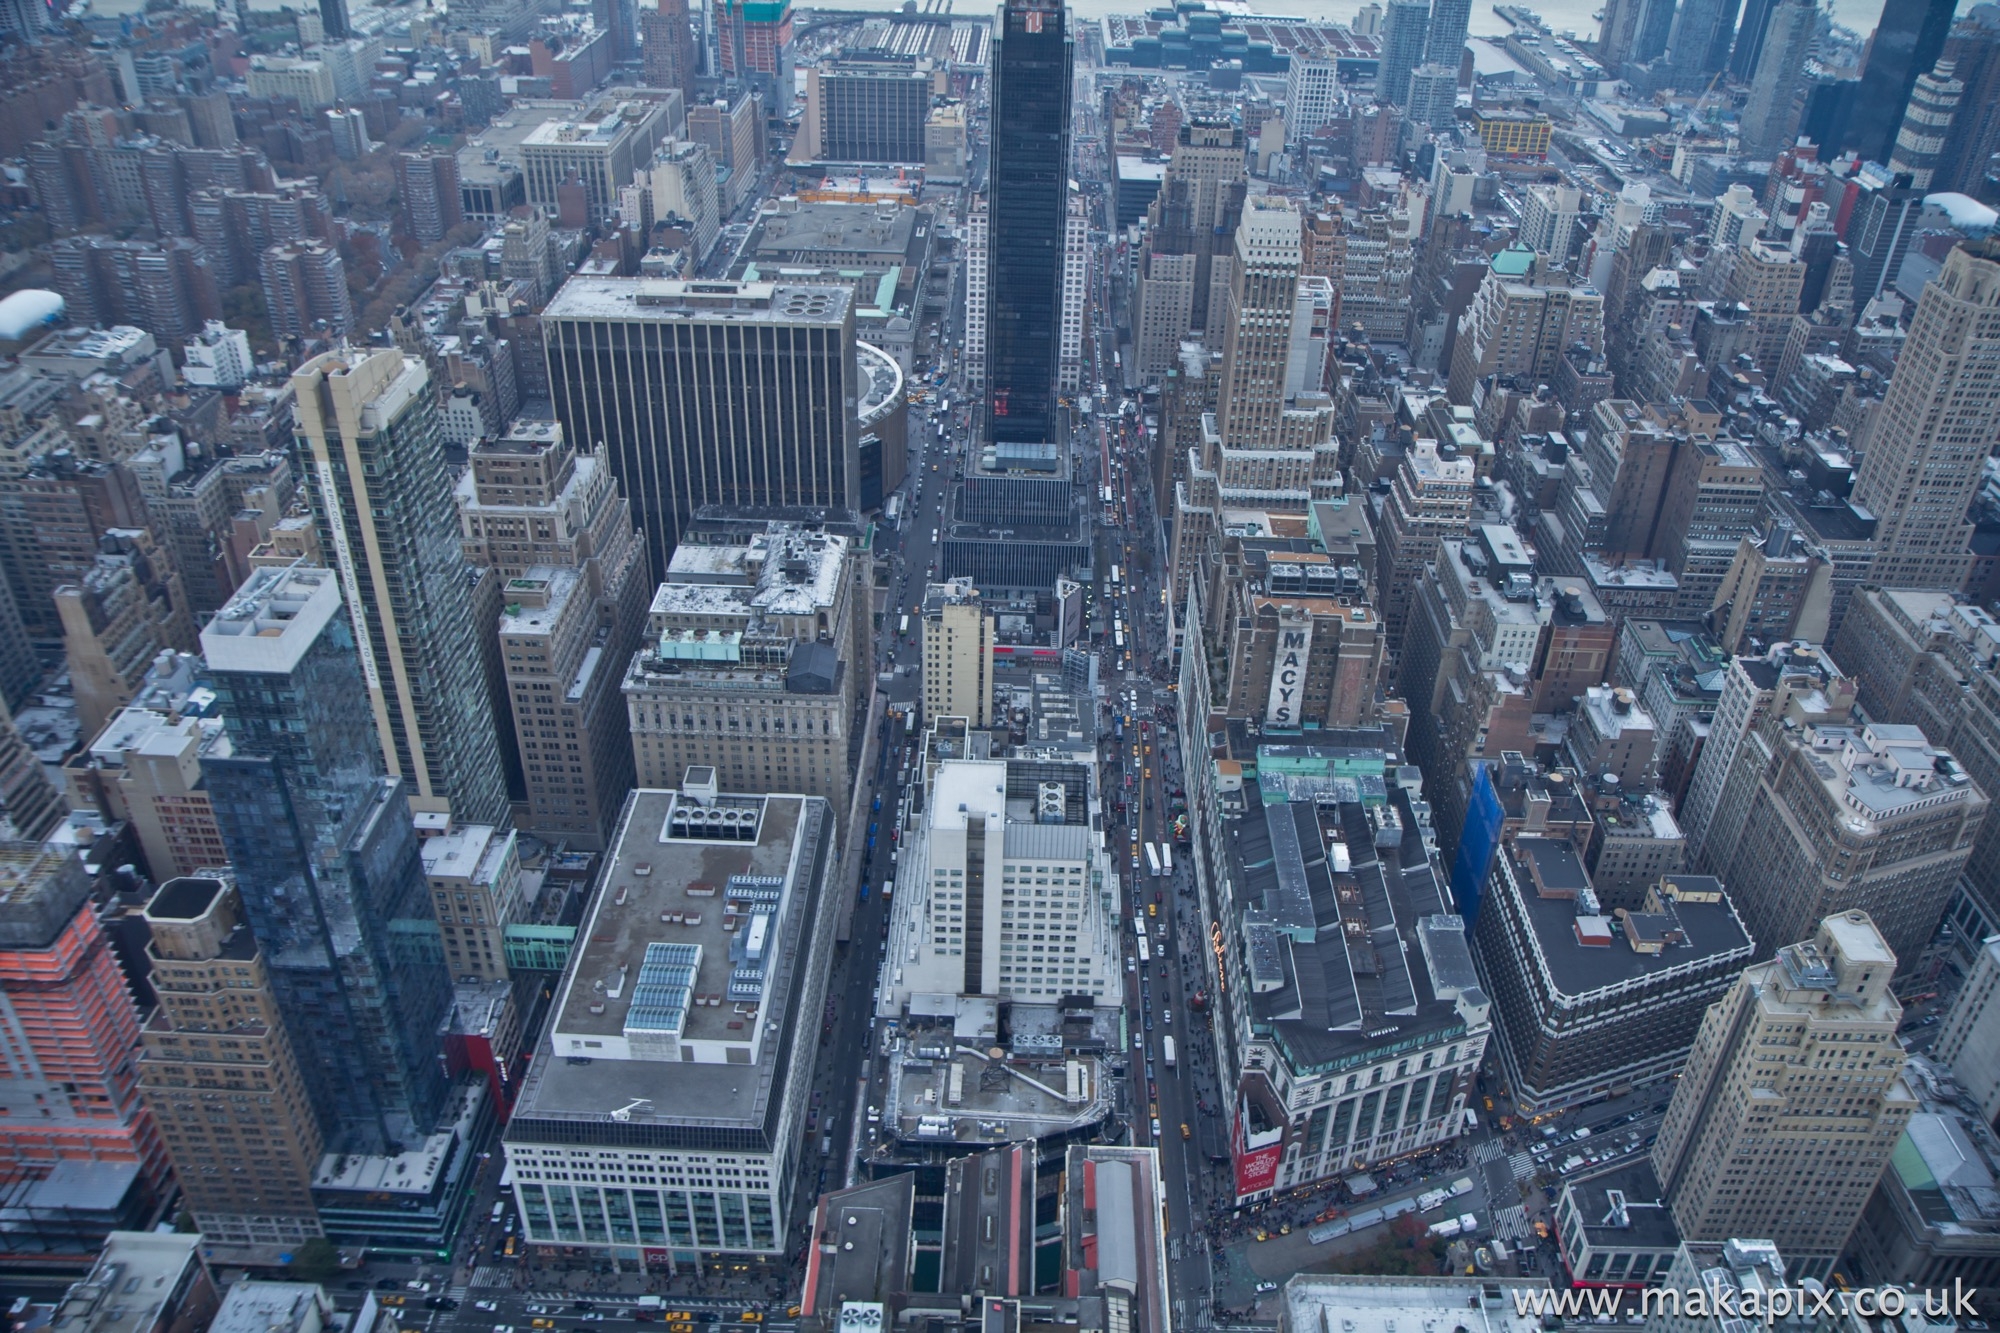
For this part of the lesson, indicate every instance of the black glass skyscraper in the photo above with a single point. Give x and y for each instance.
(1750, 38)
(1026, 213)
(1907, 43)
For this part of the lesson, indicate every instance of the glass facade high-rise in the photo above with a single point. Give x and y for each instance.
(368, 431)
(1907, 42)
(1032, 59)
(326, 859)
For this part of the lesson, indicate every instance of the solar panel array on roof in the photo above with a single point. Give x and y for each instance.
(666, 983)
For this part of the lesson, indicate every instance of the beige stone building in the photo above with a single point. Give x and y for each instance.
(474, 877)
(1792, 1099)
(1929, 443)
(128, 607)
(751, 665)
(219, 1075)
(550, 523)
(958, 653)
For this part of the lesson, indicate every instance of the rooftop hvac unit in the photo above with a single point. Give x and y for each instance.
(1051, 802)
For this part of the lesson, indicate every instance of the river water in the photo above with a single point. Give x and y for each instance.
(1561, 15)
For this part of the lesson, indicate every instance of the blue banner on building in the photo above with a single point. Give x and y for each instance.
(1476, 844)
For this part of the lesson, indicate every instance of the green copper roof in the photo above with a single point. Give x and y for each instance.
(1514, 262)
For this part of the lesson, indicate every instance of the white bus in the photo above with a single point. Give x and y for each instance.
(1114, 572)
(1118, 639)
(1152, 860)
(904, 628)
(1145, 951)
(1167, 1051)
(891, 510)
(1166, 858)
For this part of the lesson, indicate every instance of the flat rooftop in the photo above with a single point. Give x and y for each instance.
(1948, 1160)
(862, 1243)
(944, 1089)
(271, 622)
(132, 1287)
(1881, 771)
(668, 300)
(42, 887)
(680, 992)
(270, 1307)
(1364, 1304)
(792, 228)
(1584, 950)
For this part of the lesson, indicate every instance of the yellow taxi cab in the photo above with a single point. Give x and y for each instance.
(1185, 1132)
(1149, 775)
(390, 1300)
(678, 1317)
(542, 1323)
(752, 1317)
(1152, 909)
(792, 1311)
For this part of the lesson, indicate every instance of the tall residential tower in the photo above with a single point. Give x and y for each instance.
(368, 425)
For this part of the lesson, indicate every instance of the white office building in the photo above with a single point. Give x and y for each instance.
(1005, 890)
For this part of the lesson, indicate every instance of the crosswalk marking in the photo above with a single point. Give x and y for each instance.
(1511, 1224)
(1487, 1150)
(1523, 1164)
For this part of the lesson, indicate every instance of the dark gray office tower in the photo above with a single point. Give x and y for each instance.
(741, 394)
(333, 17)
(1880, 230)
(1769, 120)
(870, 109)
(1698, 46)
(1750, 38)
(325, 854)
(1907, 42)
(1656, 24)
(1027, 218)
(1444, 44)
